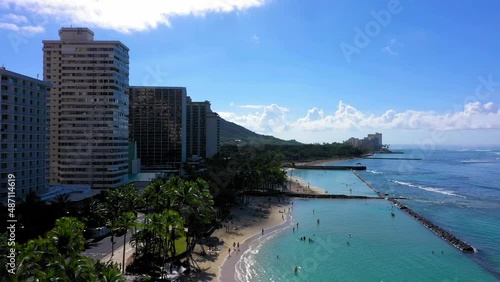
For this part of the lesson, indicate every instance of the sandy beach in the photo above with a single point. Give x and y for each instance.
(245, 223)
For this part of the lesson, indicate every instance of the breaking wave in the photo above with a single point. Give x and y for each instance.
(429, 189)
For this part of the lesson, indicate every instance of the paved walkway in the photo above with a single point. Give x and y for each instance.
(118, 255)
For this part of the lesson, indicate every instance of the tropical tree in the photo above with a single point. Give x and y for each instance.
(56, 257)
(124, 224)
(174, 224)
(67, 236)
(195, 203)
(60, 204)
(108, 272)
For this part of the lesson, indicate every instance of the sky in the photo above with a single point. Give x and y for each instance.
(421, 72)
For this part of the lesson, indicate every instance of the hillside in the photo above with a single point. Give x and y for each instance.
(231, 132)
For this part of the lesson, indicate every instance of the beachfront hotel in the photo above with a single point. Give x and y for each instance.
(203, 130)
(170, 129)
(23, 143)
(158, 126)
(88, 106)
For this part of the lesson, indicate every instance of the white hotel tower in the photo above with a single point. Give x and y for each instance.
(88, 108)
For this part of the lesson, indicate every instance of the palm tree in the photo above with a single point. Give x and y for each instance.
(61, 204)
(195, 204)
(153, 194)
(67, 236)
(126, 223)
(175, 224)
(108, 272)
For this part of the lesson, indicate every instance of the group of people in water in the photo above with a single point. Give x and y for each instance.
(308, 239)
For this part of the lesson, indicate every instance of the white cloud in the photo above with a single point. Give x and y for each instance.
(269, 120)
(255, 39)
(126, 16)
(14, 18)
(272, 119)
(392, 46)
(24, 30)
(252, 106)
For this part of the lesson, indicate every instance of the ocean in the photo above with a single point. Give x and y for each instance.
(359, 240)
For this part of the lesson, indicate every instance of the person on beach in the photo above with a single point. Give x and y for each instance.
(262, 231)
(293, 229)
(317, 221)
(229, 251)
(238, 246)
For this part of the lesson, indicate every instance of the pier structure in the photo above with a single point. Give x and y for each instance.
(331, 167)
(380, 194)
(399, 159)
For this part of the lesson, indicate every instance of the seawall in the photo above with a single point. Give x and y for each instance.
(380, 194)
(332, 167)
(458, 243)
(325, 196)
(399, 159)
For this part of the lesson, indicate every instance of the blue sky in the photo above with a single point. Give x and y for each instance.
(420, 72)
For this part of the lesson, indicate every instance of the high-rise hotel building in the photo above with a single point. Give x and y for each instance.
(158, 125)
(23, 142)
(203, 130)
(89, 109)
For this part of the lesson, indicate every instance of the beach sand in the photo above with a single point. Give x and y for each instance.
(245, 224)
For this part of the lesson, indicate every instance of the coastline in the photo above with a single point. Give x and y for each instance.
(326, 161)
(245, 225)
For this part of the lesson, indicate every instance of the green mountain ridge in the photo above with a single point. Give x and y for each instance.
(231, 133)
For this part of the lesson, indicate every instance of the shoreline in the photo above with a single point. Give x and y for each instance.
(244, 223)
(326, 161)
(227, 270)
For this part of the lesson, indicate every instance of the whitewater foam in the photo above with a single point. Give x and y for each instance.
(429, 189)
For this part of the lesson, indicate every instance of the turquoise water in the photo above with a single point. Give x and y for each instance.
(458, 189)
(338, 182)
(381, 247)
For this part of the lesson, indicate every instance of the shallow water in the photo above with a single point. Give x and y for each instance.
(456, 189)
(339, 182)
(381, 247)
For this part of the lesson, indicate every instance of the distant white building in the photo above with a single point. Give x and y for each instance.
(372, 141)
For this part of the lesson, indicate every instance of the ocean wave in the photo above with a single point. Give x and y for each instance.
(475, 161)
(375, 171)
(429, 189)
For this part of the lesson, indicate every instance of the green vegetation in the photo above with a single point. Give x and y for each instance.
(56, 257)
(238, 169)
(178, 212)
(230, 132)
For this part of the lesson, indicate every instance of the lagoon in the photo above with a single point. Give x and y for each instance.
(380, 248)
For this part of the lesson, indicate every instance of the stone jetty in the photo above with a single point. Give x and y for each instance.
(458, 243)
(331, 167)
(325, 196)
(399, 159)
